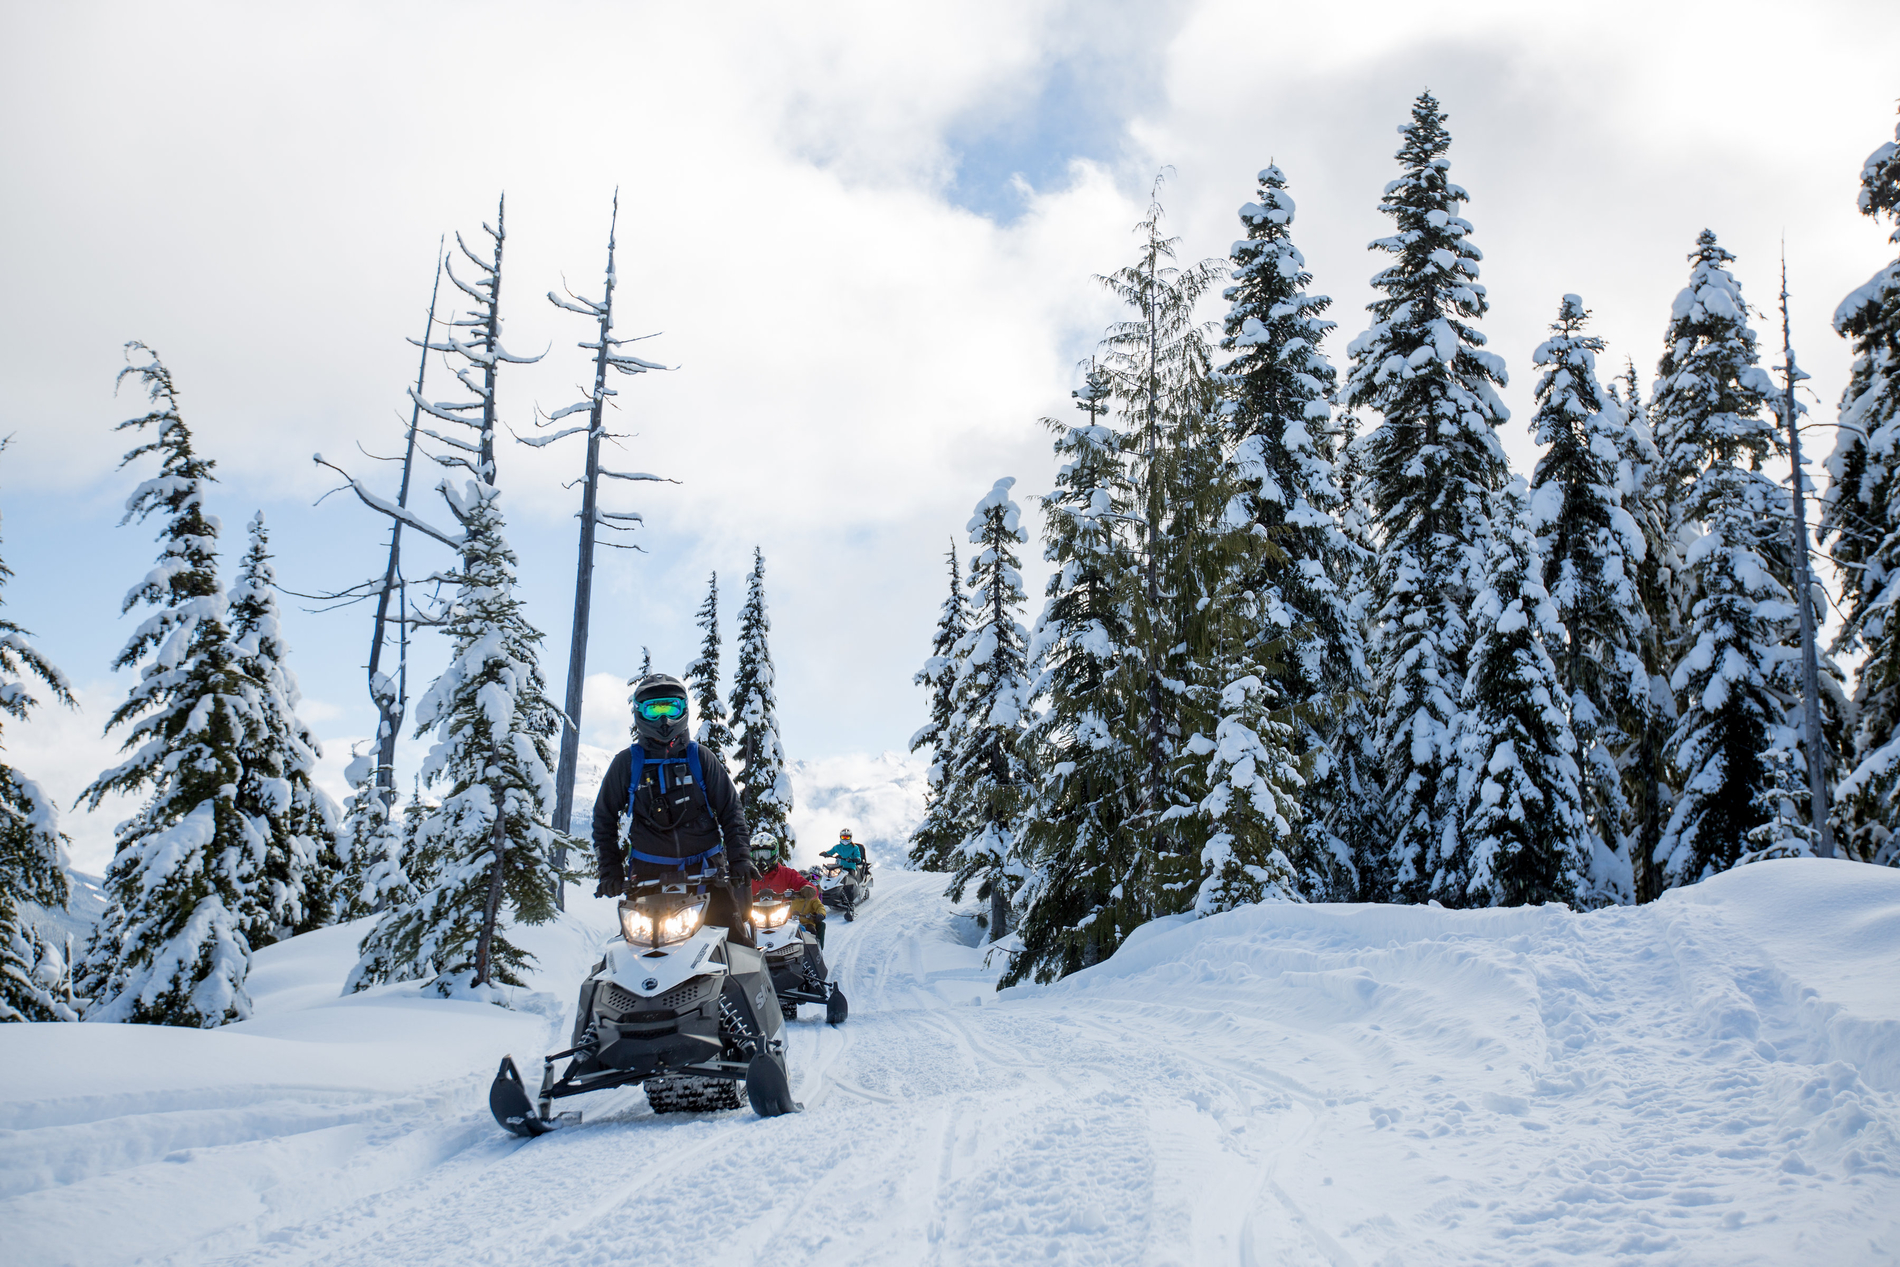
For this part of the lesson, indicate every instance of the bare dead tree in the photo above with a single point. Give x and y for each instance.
(607, 355)
(484, 355)
(391, 694)
(1804, 590)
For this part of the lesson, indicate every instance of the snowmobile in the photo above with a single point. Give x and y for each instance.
(673, 1005)
(795, 961)
(843, 889)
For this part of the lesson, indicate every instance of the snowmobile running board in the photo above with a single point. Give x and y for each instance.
(508, 1095)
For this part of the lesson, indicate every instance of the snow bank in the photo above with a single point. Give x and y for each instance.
(1711, 1079)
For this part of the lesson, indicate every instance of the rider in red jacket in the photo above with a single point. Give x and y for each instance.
(774, 874)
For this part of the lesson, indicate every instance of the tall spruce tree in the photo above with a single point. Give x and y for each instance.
(1277, 417)
(1160, 363)
(1648, 790)
(987, 773)
(1593, 551)
(1432, 467)
(1517, 835)
(702, 679)
(491, 834)
(1862, 512)
(1352, 823)
(293, 892)
(1707, 408)
(170, 948)
(942, 826)
(1078, 845)
(765, 785)
(33, 977)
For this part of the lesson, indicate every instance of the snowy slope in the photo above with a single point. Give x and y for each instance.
(1711, 1079)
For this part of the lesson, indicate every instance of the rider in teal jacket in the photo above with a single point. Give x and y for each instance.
(850, 855)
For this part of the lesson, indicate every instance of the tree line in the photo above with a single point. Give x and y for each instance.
(1307, 637)
(234, 847)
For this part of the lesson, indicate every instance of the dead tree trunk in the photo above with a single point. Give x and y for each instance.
(1804, 595)
(606, 356)
(392, 697)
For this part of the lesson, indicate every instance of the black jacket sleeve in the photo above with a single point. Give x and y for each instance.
(723, 798)
(609, 805)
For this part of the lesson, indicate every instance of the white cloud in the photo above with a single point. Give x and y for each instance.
(258, 191)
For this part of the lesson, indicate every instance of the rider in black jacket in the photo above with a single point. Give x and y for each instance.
(672, 823)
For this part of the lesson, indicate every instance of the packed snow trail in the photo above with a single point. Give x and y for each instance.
(1711, 1079)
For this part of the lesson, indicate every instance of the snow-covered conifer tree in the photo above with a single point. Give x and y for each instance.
(1277, 415)
(292, 892)
(493, 720)
(1432, 468)
(986, 772)
(1160, 363)
(1707, 408)
(32, 848)
(369, 840)
(942, 826)
(765, 785)
(1516, 835)
(1863, 513)
(1252, 804)
(171, 949)
(1648, 791)
(702, 679)
(1078, 844)
(1593, 550)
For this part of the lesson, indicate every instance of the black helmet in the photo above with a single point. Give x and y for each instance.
(660, 730)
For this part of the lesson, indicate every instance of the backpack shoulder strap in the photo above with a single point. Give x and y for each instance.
(699, 777)
(638, 760)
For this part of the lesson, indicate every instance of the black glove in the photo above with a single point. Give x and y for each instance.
(613, 884)
(744, 871)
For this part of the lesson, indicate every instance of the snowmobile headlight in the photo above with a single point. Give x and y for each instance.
(647, 928)
(770, 914)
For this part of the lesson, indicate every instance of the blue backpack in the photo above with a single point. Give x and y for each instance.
(696, 775)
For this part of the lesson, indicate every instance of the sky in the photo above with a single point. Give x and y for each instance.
(866, 236)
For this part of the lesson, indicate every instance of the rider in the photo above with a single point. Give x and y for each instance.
(850, 855)
(810, 910)
(773, 873)
(671, 827)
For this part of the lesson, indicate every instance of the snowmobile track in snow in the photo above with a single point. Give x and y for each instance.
(1712, 1079)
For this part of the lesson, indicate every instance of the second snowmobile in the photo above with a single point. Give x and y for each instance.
(796, 962)
(674, 1005)
(845, 889)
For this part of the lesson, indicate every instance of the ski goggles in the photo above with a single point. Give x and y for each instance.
(661, 709)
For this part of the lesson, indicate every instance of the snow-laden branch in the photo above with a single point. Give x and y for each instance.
(539, 442)
(636, 475)
(401, 514)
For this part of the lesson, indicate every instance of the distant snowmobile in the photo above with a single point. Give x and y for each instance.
(673, 1005)
(796, 962)
(844, 889)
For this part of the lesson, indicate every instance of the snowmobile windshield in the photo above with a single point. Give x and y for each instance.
(770, 914)
(660, 919)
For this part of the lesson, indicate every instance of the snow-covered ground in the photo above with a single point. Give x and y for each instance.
(1711, 1079)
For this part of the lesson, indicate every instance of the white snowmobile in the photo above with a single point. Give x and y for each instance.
(674, 1005)
(795, 961)
(845, 890)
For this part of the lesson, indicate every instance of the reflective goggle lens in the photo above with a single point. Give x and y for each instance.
(662, 709)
